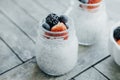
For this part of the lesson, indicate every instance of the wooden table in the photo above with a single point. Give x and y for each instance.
(18, 24)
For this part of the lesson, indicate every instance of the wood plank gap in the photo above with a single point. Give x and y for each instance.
(24, 10)
(72, 79)
(91, 66)
(16, 66)
(101, 60)
(11, 49)
(17, 26)
(62, 4)
(101, 73)
(40, 5)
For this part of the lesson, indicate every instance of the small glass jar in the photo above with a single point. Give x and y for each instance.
(90, 20)
(57, 51)
(114, 47)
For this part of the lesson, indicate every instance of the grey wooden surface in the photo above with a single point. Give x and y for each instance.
(8, 59)
(110, 69)
(91, 74)
(19, 21)
(15, 38)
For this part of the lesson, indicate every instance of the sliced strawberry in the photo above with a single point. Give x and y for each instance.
(59, 27)
(93, 1)
(118, 42)
(66, 37)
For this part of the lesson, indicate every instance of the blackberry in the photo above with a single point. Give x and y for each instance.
(117, 33)
(63, 19)
(52, 19)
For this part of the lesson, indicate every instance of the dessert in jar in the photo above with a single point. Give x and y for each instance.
(114, 42)
(57, 45)
(90, 19)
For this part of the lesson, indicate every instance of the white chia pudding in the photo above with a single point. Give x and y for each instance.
(57, 46)
(90, 20)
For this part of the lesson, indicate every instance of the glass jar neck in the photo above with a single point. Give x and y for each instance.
(55, 35)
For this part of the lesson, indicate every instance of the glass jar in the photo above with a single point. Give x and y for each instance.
(114, 47)
(57, 51)
(90, 20)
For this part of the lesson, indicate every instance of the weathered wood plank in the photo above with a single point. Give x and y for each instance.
(109, 68)
(66, 3)
(53, 6)
(27, 71)
(19, 17)
(33, 9)
(30, 71)
(8, 59)
(20, 43)
(90, 74)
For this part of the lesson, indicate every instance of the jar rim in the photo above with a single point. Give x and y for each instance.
(60, 32)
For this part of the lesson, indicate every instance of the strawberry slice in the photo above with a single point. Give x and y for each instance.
(93, 2)
(59, 27)
(118, 42)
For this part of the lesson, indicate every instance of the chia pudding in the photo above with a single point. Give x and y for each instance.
(90, 18)
(57, 45)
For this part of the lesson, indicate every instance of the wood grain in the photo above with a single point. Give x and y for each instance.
(19, 17)
(109, 68)
(19, 42)
(32, 9)
(7, 58)
(90, 74)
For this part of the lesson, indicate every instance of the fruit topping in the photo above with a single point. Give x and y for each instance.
(118, 42)
(89, 2)
(52, 19)
(93, 1)
(63, 19)
(46, 26)
(117, 34)
(84, 1)
(54, 24)
(59, 27)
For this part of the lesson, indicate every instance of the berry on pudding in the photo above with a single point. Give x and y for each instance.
(59, 27)
(55, 24)
(84, 1)
(116, 35)
(90, 2)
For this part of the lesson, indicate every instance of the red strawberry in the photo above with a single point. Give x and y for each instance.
(118, 42)
(59, 27)
(93, 1)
